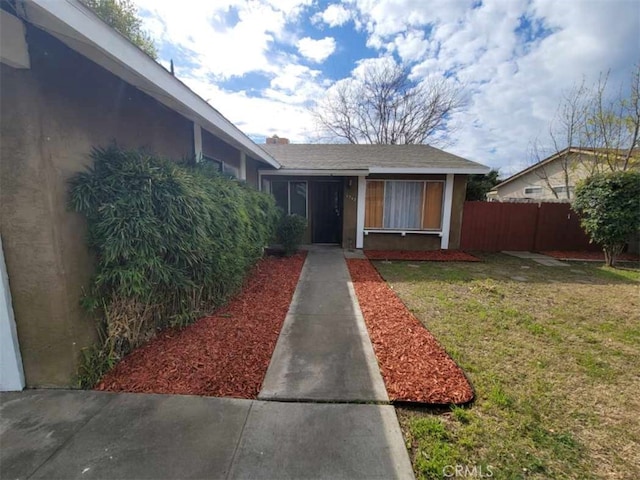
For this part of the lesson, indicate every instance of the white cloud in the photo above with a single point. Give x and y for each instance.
(335, 15)
(514, 83)
(316, 50)
(411, 45)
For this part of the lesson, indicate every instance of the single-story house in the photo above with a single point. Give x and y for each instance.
(554, 178)
(378, 197)
(69, 82)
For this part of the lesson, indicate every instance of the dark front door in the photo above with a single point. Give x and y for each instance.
(326, 212)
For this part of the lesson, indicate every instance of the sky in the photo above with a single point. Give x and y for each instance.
(264, 63)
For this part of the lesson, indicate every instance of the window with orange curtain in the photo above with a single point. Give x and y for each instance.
(374, 204)
(394, 205)
(432, 210)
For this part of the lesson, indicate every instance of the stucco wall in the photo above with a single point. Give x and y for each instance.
(395, 241)
(252, 171)
(554, 171)
(215, 148)
(56, 112)
(457, 207)
(350, 212)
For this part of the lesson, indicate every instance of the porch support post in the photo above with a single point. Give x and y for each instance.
(362, 195)
(243, 166)
(446, 214)
(197, 142)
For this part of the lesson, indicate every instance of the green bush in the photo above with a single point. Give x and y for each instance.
(609, 207)
(290, 231)
(172, 242)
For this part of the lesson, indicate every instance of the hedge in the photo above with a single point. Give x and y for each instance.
(172, 242)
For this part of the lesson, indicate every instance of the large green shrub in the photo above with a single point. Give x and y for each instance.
(290, 232)
(609, 206)
(172, 242)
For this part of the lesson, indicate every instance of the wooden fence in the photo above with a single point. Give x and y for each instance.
(495, 226)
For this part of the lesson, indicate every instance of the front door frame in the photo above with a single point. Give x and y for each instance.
(314, 207)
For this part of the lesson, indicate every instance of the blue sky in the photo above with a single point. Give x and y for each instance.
(264, 63)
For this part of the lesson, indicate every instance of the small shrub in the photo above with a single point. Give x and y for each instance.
(609, 206)
(290, 231)
(172, 243)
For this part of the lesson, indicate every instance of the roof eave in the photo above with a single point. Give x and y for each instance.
(105, 46)
(470, 170)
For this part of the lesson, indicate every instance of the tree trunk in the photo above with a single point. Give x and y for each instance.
(609, 258)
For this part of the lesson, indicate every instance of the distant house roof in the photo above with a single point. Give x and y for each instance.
(566, 151)
(320, 158)
(82, 30)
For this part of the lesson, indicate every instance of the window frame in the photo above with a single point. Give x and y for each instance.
(538, 190)
(289, 182)
(562, 189)
(222, 166)
(209, 158)
(422, 206)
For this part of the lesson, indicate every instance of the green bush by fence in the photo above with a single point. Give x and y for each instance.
(172, 243)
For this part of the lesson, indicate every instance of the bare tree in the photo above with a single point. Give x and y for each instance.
(613, 124)
(592, 130)
(565, 130)
(384, 106)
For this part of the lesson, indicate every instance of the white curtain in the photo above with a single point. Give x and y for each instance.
(403, 204)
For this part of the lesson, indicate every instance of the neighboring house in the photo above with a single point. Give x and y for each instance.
(554, 179)
(69, 83)
(406, 197)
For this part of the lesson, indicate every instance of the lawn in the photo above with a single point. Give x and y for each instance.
(553, 356)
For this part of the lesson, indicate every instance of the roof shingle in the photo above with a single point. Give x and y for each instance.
(364, 157)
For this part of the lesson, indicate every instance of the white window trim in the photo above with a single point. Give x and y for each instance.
(360, 206)
(404, 231)
(446, 213)
(539, 190)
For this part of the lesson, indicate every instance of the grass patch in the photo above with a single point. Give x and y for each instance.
(552, 354)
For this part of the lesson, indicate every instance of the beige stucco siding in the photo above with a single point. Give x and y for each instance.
(552, 174)
(56, 112)
(350, 212)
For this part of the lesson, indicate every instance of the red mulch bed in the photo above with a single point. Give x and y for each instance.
(414, 366)
(224, 355)
(589, 256)
(430, 255)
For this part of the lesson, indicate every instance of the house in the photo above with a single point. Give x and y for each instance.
(379, 197)
(554, 178)
(69, 82)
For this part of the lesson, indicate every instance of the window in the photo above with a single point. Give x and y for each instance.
(533, 191)
(216, 164)
(221, 166)
(291, 197)
(562, 190)
(230, 170)
(404, 205)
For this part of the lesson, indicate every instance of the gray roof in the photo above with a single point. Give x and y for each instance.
(365, 157)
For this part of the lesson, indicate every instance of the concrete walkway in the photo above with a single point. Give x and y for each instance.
(324, 352)
(545, 260)
(62, 434)
(323, 355)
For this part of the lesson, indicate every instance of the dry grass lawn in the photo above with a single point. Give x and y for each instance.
(553, 354)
